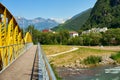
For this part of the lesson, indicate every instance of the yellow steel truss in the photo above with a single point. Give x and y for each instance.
(11, 37)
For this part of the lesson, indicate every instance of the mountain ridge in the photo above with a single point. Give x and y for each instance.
(75, 22)
(39, 23)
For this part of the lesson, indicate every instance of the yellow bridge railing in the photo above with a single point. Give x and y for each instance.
(11, 53)
(12, 41)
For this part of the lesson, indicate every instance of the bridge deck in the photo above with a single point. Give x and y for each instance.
(21, 69)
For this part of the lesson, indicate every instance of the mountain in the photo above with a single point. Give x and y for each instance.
(75, 22)
(39, 23)
(106, 13)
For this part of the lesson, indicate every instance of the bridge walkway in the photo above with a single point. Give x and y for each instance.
(21, 69)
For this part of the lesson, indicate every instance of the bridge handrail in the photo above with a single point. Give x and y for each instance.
(13, 45)
(47, 71)
(22, 48)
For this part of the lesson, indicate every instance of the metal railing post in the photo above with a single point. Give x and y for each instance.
(44, 66)
(10, 53)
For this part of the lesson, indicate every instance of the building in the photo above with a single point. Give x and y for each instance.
(95, 30)
(73, 34)
(48, 30)
(45, 30)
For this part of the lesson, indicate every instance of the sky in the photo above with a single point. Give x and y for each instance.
(61, 9)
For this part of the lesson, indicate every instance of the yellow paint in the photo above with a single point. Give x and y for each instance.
(12, 40)
(28, 38)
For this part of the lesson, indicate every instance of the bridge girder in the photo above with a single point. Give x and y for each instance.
(10, 34)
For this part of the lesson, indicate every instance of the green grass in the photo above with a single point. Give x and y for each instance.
(86, 50)
(116, 57)
(92, 60)
(80, 54)
(54, 49)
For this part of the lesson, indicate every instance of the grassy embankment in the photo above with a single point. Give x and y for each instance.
(54, 49)
(116, 57)
(76, 56)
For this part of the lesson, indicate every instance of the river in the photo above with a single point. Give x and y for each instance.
(108, 72)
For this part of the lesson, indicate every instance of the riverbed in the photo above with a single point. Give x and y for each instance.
(107, 72)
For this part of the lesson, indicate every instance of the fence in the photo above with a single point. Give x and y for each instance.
(8, 54)
(45, 71)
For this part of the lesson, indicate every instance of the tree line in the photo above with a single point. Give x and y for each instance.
(110, 37)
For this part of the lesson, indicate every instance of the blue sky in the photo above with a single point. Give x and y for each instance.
(47, 8)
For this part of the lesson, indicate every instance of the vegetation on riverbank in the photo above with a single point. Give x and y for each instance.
(92, 60)
(75, 58)
(84, 57)
(116, 57)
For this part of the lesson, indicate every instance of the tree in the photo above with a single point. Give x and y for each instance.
(64, 36)
(111, 37)
(91, 39)
(95, 38)
(75, 41)
(86, 39)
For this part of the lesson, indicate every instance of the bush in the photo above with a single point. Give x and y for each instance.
(116, 57)
(92, 59)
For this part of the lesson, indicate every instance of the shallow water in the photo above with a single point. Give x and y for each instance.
(108, 72)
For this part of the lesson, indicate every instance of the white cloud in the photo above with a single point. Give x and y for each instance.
(59, 20)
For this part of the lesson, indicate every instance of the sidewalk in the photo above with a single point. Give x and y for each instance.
(21, 69)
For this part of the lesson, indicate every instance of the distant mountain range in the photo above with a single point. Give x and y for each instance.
(39, 23)
(105, 13)
(72, 24)
(75, 22)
